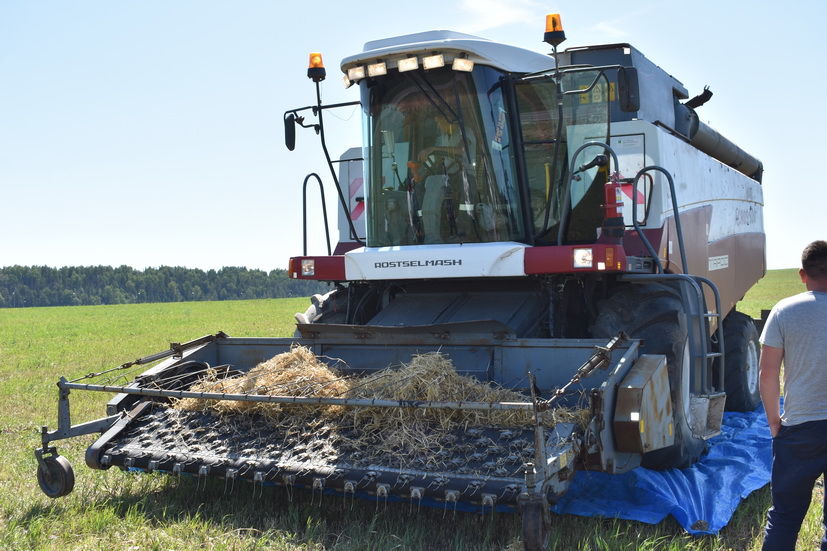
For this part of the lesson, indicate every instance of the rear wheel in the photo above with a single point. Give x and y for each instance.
(654, 313)
(741, 363)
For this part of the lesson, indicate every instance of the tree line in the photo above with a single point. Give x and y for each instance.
(22, 286)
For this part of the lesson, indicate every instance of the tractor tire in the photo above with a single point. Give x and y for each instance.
(741, 363)
(654, 313)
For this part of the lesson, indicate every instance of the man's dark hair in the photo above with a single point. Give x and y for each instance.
(814, 260)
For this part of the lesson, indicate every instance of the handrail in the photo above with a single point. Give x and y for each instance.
(564, 215)
(678, 228)
(304, 211)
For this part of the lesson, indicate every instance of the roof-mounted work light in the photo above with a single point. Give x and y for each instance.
(315, 68)
(356, 74)
(433, 61)
(554, 30)
(377, 69)
(407, 64)
(462, 63)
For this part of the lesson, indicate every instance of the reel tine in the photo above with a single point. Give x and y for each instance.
(488, 501)
(350, 489)
(416, 494)
(229, 476)
(258, 479)
(382, 491)
(318, 484)
(451, 496)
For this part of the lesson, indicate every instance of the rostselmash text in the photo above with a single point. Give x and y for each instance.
(418, 263)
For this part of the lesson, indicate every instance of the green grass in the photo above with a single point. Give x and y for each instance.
(775, 285)
(116, 510)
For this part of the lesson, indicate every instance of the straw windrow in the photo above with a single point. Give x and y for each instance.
(382, 433)
(428, 377)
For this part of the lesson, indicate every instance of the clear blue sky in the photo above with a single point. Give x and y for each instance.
(150, 133)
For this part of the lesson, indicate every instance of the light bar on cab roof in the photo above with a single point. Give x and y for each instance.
(380, 68)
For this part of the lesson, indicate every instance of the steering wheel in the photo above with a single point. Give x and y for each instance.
(440, 161)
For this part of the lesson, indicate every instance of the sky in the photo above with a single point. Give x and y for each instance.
(150, 133)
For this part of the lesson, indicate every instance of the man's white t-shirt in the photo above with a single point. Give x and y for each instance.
(798, 324)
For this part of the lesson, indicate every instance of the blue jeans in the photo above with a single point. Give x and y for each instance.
(799, 457)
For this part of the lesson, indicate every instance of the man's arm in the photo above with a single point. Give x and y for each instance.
(770, 385)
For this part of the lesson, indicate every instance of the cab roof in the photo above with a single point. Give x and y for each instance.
(451, 44)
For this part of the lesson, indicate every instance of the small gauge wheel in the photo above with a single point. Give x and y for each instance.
(55, 476)
(535, 521)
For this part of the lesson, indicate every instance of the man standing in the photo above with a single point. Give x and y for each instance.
(796, 332)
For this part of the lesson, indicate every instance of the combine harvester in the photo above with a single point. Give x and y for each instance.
(562, 226)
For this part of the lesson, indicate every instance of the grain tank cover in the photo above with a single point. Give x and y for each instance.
(659, 91)
(479, 50)
(662, 102)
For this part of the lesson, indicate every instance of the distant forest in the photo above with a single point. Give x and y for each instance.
(22, 286)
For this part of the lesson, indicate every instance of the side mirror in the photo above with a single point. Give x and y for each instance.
(290, 131)
(628, 90)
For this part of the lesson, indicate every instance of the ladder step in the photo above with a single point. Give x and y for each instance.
(708, 355)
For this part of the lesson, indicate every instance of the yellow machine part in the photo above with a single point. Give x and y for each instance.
(643, 410)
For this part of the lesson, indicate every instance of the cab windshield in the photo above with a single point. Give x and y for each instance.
(440, 162)
(557, 116)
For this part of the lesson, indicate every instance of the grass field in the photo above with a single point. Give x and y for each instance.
(115, 510)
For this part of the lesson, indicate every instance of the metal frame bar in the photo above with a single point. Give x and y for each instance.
(324, 211)
(420, 404)
(566, 210)
(175, 349)
(65, 429)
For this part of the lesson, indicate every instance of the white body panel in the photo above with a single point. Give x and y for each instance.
(436, 261)
(700, 180)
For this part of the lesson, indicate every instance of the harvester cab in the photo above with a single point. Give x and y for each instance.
(513, 294)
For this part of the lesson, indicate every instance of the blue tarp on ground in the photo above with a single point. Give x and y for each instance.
(702, 498)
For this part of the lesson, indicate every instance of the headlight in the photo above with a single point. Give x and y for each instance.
(582, 258)
(308, 267)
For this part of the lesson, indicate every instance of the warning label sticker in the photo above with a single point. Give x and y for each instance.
(718, 262)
